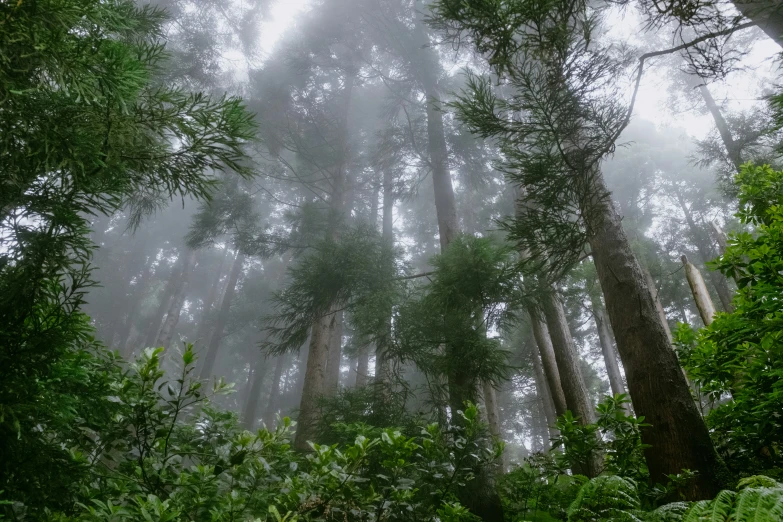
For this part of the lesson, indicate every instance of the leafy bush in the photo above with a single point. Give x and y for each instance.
(166, 454)
(740, 355)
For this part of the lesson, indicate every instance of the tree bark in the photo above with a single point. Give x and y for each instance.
(250, 412)
(274, 392)
(542, 390)
(658, 306)
(175, 309)
(699, 290)
(493, 417)
(678, 438)
(222, 319)
(608, 350)
(209, 303)
(768, 14)
(334, 359)
(165, 300)
(382, 364)
(126, 348)
(318, 354)
(314, 377)
(547, 353)
(573, 383)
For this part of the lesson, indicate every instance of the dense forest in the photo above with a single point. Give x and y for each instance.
(391, 260)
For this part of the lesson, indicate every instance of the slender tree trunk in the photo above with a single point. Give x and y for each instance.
(203, 327)
(362, 366)
(608, 350)
(250, 412)
(544, 394)
(571, 378)
(678, 438)
(165, 300)
(547, 353)
(493, 416)
(382, 364)
(482, 497)
(138, 296)
(222, 319)
(274, 392)
(172, 317)
(334, 360)
(658, 306)
(732, 147)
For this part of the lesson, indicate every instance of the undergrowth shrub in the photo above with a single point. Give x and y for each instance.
(167, 455)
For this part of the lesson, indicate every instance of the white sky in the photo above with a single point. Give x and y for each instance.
(282, 15)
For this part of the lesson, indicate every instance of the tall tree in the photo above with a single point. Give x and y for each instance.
(215, 339)
(564, 130)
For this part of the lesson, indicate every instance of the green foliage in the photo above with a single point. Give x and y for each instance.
(472, 290)
(166, 454)
(615, 434)
(606, 498)
(85, 129)
(356, 272)
(740, 354)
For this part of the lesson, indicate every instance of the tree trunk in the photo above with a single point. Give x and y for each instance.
(702, 242)
(382, 364)
(547, 353)
(165, 300)
(126, 348)
(222, 319)
(732, 147)
(209, 303)
(573, 383)
(318, 355)
(362, 366)
(542, 390)
(699, 290)
(678, 438)
(493, 417)
(274, 392)
(314, 377)
(172, 317)
(481, 498)
(250, 412)
(334, 360)
(658, 306)
(608, 350)
(768, 14)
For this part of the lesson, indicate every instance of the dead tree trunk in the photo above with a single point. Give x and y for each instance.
(699, 290)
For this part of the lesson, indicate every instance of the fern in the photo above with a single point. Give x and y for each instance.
(613, 498)
(668, 513)
(606, 498)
